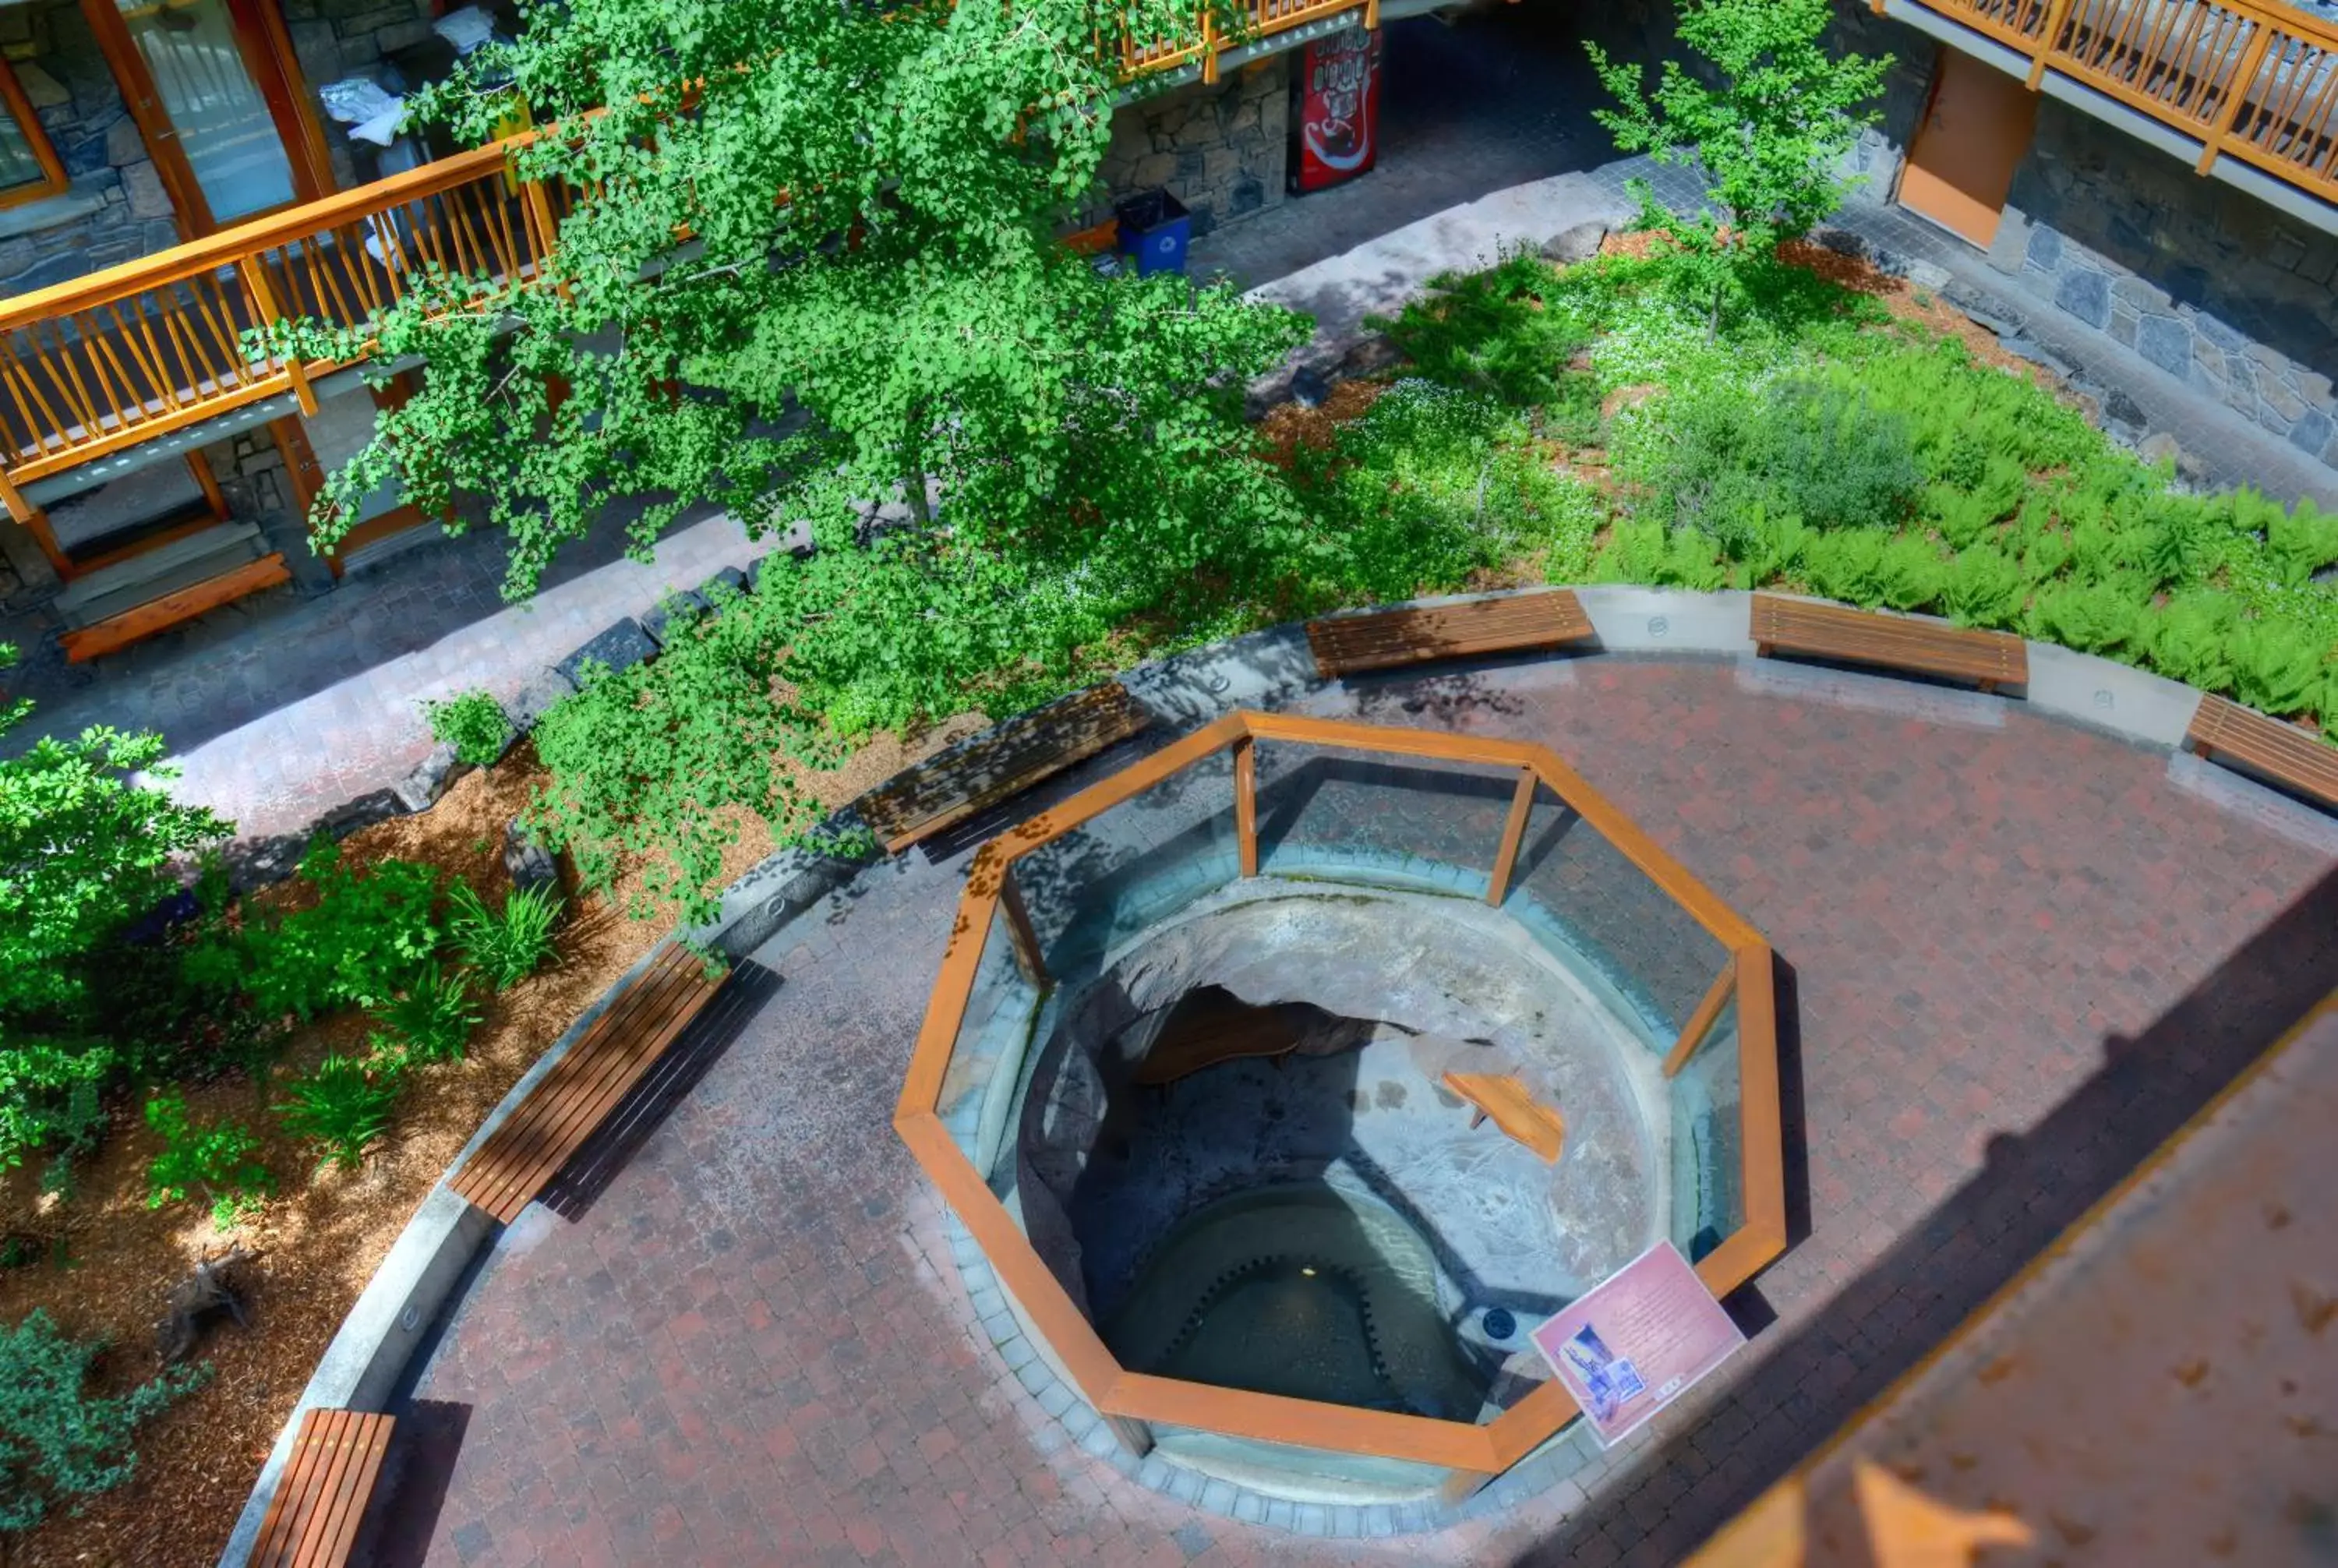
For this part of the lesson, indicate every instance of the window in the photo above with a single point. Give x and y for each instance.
(28, 164)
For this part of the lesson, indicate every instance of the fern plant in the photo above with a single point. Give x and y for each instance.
(1849, 564)
(506, 946)
(344, 1103)
(2099, 617)
(2300, 541)
(2277, 666)
(2191, 640)
(432, 1019)
(1984, 587)
(1912, 573)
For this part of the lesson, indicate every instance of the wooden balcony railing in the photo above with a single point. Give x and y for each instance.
(2256, 81)
(101, 362)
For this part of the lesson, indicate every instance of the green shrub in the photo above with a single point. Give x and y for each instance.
(49, 1098)
(1984, 587)
(1811, 448)
(2046, 555)
(1912, 573)
(59, 1443)
(510, 945)
(1691, 560)
(1492, 332)
(354, 947)
(2099, 617)
(343, 1102)
(432, 1019)
(2277, 667)
(215, 1160)
(474, 723)
(2191, 640)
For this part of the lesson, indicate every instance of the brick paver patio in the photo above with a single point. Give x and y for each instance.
(2022, 953)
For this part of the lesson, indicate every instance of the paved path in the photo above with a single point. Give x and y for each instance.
(2022, 954)
(2162, 1391)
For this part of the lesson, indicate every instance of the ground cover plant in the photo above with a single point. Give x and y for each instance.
(1816, 441)
(59, 1442)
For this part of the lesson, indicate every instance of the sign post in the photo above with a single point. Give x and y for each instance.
(1637, 1341)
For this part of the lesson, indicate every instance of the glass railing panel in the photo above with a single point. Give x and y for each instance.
(1427, 825)
(1636, 944)
(1708, 1156)
(1132, 866)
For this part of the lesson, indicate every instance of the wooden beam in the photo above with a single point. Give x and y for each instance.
(2236, 93)
(1700, 1022)
(1514, 832)
(2055, 15)
(1246, 803)
(1021, 935)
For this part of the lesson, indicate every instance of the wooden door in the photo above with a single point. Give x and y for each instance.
(1974, 134)
(221, 104)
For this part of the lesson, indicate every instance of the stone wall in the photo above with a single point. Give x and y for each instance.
(2204, 281)
(116, 208)
(1219, 148)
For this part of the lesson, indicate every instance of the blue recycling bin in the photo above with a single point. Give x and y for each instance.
(1154, 229)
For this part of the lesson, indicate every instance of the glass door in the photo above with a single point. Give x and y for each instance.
(219, 98)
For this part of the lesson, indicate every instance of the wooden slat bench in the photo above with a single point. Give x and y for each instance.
(1005, 760)
(1387, 639)
(1514, 1109)
(141, 621)
(512, 1166)
(312, 1523)
(1987, 659)
(2224, 731)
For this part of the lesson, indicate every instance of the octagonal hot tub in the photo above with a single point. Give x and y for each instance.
(1190, 1078)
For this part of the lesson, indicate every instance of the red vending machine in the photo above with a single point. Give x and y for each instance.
(1336, 109)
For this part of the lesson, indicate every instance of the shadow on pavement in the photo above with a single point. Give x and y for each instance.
(2033, 1186)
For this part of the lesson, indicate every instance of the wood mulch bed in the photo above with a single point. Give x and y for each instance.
(102, 1262)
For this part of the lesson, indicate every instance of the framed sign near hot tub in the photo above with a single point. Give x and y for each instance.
(1335, 109)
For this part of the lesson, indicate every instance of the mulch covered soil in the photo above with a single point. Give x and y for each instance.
(102, 1263)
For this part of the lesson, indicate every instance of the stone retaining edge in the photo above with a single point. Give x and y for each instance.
(1258, 669)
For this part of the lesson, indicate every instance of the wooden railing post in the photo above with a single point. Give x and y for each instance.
(253, 270)
(1514, 832)
(2236, 92)
(1020, 932)
(1246, 803)
(1700, 1022)
(2057, 15)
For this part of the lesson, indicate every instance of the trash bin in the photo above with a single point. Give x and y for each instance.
(1154, 227)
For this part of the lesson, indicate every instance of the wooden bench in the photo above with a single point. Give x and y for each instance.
(320, 1498)
(1515, 1111)
(1386, 639)
(1212, 1025)
(1003, 762)
(512, 1166)
(1987, 659)
(141, 621)
(2224, 731)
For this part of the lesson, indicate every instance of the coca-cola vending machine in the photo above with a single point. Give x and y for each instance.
(1335, 109)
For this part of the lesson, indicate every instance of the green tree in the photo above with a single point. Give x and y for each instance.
(1765, 115)
(808, 269)
(87, 843)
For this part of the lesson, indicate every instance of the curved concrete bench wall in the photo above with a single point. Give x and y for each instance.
(1267, 668)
